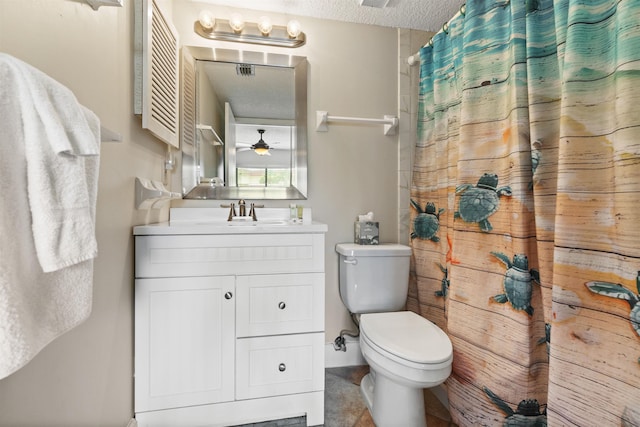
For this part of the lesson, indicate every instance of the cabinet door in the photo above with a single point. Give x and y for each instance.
(184, 341)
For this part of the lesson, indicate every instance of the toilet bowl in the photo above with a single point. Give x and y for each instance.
(406, 353)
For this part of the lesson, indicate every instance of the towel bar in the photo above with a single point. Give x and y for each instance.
(322, 118)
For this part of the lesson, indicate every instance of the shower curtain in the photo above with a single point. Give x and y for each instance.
(525, 223)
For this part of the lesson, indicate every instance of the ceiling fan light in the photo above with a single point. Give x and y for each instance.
(261, 151)
(261, 148)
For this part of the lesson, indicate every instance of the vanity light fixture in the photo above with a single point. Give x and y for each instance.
(236, 22)
(261, 148)
(207, 20)
(293, 28)
(264, 25)
(235, 29)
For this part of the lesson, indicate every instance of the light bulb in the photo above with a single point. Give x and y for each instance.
(207, 20)
(236, 22)
(293, 28)
(264, 25)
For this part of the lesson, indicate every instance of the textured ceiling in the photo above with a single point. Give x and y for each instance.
(427, 15)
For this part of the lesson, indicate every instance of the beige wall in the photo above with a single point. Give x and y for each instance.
(85, 377)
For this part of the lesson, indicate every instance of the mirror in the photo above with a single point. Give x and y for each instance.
(244, 120)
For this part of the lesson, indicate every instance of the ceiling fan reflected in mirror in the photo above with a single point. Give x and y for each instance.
(261, 148)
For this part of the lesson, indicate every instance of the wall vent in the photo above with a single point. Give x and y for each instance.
(245, 69)
(188, 103)
(157, 72)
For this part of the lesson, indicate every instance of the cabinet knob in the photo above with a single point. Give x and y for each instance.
(282, 367)
(281, 305)
(228, 295)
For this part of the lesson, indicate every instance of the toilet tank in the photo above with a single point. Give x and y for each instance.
(373, 278)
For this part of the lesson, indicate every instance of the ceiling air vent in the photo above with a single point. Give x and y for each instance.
(245, 69)
(374, 3)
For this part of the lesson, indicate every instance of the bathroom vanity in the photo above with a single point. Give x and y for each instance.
(229, 319)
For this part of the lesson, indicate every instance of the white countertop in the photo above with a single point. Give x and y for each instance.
(167, 228)
(185, 221)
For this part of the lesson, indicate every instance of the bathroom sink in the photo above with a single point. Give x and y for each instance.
(219, 217)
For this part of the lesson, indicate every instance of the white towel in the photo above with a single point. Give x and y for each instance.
(49, 156)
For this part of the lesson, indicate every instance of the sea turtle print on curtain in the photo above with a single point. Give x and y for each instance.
(427, 223)
(544, 97)
(529, 412)
(478, 203)
(547, 337)
(517, 282)
(616, 290)
(445, 283)
(536, 158)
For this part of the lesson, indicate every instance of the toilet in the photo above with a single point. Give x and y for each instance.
(405, 352)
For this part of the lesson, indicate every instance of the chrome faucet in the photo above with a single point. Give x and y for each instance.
(243, 209)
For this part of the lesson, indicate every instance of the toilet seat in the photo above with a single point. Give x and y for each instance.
(407, 338)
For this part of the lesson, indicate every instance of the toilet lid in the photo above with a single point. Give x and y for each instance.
(408, 336)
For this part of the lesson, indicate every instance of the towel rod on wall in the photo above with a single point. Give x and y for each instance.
(216, 138)
(322, 118)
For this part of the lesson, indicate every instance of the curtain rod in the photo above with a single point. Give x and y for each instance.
(415, 58)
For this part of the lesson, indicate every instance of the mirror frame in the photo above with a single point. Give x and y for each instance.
(298, 188)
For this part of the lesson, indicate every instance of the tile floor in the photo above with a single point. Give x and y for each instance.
(344, 406)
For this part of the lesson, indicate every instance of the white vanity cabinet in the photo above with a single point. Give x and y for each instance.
(229, 327)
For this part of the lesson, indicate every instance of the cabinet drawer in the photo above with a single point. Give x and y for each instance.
(278, 304)
(270, 366)
(206, 255)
